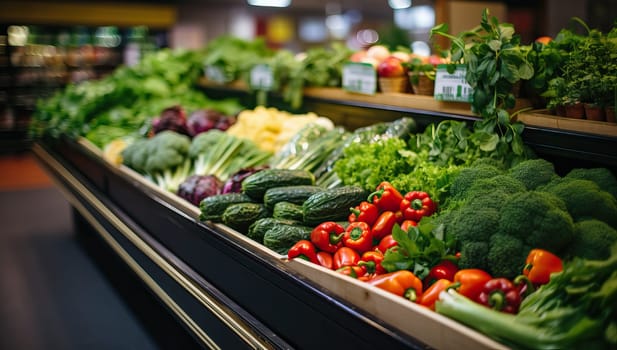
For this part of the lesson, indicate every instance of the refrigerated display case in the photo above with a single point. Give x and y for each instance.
(221, 289)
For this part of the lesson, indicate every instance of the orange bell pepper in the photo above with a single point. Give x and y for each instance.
(431, 294)
(402, 283)
(540, 264)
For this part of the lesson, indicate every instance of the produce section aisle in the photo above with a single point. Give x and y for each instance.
(53, 296)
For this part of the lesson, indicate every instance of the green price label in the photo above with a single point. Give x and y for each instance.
(452, 86)
(359, 78)
(262, 78)
(215, 74)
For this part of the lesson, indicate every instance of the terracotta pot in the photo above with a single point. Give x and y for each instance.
(421, 84)
(609, 113)
(560, 110)
(397, 84)
(594, 112)
(576, 111)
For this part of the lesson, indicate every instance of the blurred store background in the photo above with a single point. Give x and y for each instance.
(46, 45)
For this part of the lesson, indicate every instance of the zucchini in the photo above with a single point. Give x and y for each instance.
(213, 207)
(241, 216)
(258, 229)
(286, 210)
(282, 237)
(291, 194)
(332, 204)
(256, 185)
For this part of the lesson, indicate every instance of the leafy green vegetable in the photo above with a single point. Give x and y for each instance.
(419, 249)
(126, 99)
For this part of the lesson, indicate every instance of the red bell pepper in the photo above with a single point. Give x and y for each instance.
(470, 282)
(384, 224)
(345, 257)
(446, 269)
(416, 205)
(358, 236)
(500, 294)
(365, 212)
(540, 264)
(328, 236)
(386, 242)
(354, 271)
(372, 261)
(406, 224)
(402, 283)
(431, 294)
(303, 249)
(386, 197)
(325, 259)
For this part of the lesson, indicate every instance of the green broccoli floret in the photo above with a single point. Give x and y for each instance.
(474, 256)
(135, 155)
(506, 255)
(603, 177)
(584, 199)
(162, 159)
(468, 176)
(504, 183)
(471, 224)
(489, 161)
(538, 219)
(593, 240)
(533, 172)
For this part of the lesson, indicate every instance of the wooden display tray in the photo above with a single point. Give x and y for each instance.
(542, 118)
(536, 118)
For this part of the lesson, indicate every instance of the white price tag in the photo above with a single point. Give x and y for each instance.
(360, 78)
(452, 87)
(262, 78)
(215, 74)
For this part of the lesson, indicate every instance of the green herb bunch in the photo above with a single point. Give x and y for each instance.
(495, 62)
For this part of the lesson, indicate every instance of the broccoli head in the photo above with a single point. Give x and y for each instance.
(471, 224)
(506, 256)
(489, 161)
(603, 177)
(468, 176)
(162, 158)
(205, 141)
(135, 155)
(533, 172)
(584, 199)
(474, 256)
(538, 219)
(505, 183)
(593, 240)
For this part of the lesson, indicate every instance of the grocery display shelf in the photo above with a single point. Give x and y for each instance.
(223, 289)
(568, 142)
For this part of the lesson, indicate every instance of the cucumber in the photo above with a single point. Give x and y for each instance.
(256, 185)
(282, 237)
(287, 210)
(258, 229)
(291, 194)
(241, 216)
(332, 204)
(213, 207)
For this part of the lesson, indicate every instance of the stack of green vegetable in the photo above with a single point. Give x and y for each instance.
(498, 215)
(124, 102)
(278, 207)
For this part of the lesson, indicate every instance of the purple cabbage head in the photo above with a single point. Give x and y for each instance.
(197, 187)
(203, 120)
(172, 118)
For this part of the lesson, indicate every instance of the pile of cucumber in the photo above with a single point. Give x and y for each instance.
(278, 207)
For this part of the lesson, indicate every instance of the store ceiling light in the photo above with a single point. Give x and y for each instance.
(269, 3)
(399, 4)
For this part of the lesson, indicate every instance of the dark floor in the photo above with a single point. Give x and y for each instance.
(52, 296)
